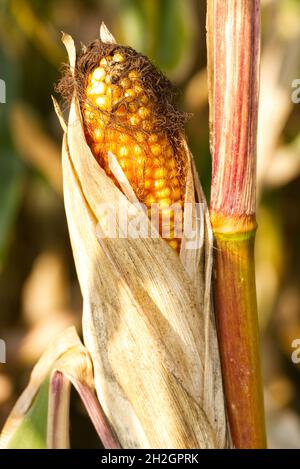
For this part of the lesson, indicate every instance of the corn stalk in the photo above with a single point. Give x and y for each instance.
(233, 37)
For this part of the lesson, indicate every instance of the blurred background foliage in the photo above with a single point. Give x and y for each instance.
(39, 293)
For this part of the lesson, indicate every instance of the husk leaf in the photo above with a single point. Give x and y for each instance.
(147, 317)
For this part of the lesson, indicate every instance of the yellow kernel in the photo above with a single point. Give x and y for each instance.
(103, 102)
(98, 74)
(144, 112)
(137, 150)
(130, 93)
(155, 162)
(103, 62)
(134, 120)
(144, 100)
(164, 193)
(123, 151)
(138, 89)
(148, 183)
(169, 152)
(152, 138)
(123, 138)
(125, 83)
(156, 149)
(147, 126)
(148, 171)
(171, 163)
(117, 57)
(140, 137)
(164, 203)
(159, 173)
(98, 135)
(97, 88)
(133, 75)
(159, 183)
(150, 200)
(140, 160)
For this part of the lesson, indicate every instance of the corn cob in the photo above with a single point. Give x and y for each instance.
(120, 117)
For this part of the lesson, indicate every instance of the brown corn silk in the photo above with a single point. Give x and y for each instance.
(128, 109)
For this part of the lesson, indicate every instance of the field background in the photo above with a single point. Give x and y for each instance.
(39, 293)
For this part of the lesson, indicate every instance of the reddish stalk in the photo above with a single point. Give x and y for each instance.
(233, 38)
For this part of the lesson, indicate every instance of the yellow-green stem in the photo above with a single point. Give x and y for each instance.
(235, 300)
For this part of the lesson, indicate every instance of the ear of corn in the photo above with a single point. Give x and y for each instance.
(144, 151)
(150, 332)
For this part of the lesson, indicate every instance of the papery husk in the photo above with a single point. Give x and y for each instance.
(147, 316)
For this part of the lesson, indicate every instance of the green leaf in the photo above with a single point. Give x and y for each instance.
(32, 432)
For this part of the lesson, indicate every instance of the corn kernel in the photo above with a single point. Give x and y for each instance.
(98, 74)
(134, 120)
(103, 102)
(156, 150)
(123, 151)
(125, 83)
(133, 75)
(97, 88)
(130, 93)
(119, 58)
(144, 112)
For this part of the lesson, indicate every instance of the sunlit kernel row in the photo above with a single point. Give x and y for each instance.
(147, 158)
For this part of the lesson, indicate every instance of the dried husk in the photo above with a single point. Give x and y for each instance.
(147, 317)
